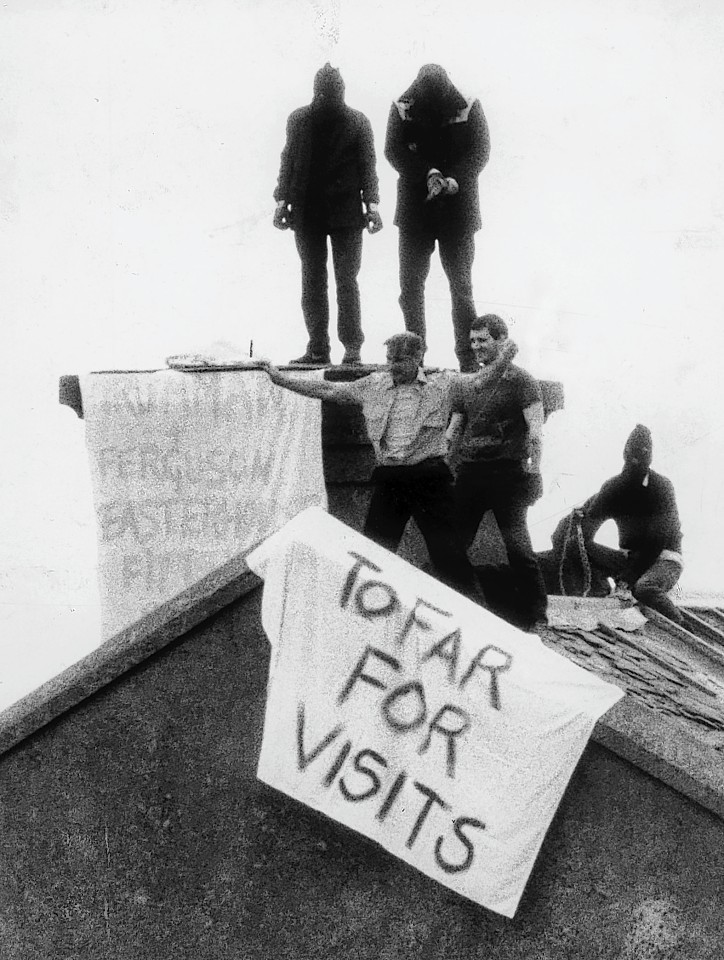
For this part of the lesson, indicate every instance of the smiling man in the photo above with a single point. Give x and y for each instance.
(497, 440)
(407, 412)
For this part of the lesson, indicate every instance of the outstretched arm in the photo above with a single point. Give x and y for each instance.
(316, 389)
(492, 372)
(487, 376)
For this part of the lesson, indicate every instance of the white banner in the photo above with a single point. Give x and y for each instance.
(403, 710)
(188, 471)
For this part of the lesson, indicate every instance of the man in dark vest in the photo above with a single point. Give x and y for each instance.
(496, 439)
(328, 187)
(438, 142)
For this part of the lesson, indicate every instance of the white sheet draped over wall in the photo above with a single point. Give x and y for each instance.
(403, 710)
(189, 470)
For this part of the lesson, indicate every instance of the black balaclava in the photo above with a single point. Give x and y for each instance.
(637, 453)
(328, 90)
(434, 98)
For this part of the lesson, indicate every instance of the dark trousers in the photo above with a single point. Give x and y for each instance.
(650, 587)
(422, 491)
(347, 258)
(507, 492)
(457, 253)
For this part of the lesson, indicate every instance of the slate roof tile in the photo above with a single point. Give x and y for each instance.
(679, 672)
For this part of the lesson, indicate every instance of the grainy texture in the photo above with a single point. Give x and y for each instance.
(124, 650)
(134, 827)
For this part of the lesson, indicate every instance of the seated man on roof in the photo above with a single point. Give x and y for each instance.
(407, 411)
(642, 505)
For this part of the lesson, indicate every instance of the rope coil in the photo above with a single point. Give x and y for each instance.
(585, 563)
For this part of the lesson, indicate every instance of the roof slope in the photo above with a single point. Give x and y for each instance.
(672, 720)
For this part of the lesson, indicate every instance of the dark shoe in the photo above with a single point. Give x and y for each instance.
(311, 360)
(352, 358)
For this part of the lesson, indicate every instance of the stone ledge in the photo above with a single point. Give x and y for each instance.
(662, 747)
(69, 393)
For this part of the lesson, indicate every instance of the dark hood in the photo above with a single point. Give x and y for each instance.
(638, 451)
(433, 96)
(328, 90)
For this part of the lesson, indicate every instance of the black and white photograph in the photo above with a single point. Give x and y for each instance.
(360, 578)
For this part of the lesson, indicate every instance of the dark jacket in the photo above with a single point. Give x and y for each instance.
(646, 518)
(329, 191)
(458, 146)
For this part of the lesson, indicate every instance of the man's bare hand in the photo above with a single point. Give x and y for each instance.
(435, 185)
(282, 217)
(373, 221)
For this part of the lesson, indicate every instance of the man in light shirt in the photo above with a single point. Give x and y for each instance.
(407, 412)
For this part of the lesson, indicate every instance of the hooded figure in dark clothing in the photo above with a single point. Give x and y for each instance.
(642, 504)
(438, 141)
(328, 188)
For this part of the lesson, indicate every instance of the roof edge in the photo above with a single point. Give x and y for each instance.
(125, 650)
(662, 747)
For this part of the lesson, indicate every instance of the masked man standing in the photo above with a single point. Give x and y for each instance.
(328, 187)
(497, 440)
(438, 142)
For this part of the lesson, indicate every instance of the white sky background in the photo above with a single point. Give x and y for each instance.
(140, 147)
